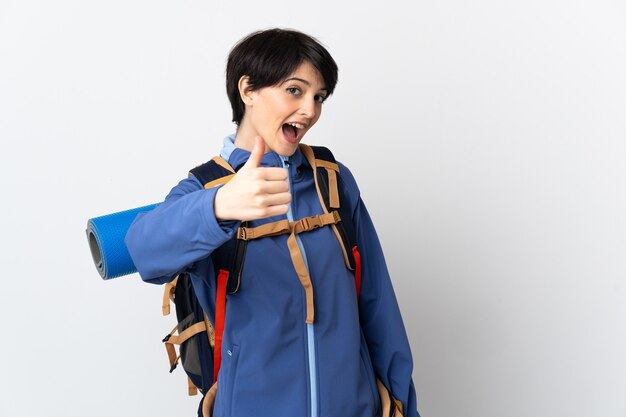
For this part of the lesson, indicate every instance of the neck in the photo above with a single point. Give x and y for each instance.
(244, 138)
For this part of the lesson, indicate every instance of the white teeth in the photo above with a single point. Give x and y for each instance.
(296, 125)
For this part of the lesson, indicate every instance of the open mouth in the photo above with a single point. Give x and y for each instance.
(292, 132)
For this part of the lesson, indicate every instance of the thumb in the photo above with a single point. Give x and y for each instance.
(257, 153)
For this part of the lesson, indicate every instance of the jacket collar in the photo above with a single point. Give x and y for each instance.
(237, 157)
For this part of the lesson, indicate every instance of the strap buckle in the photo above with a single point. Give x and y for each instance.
(242, 234)
(310, 223)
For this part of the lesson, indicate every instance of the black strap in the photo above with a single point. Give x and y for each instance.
(231, 255)
(209, 171)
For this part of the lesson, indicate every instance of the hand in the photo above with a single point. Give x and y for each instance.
(254, 192)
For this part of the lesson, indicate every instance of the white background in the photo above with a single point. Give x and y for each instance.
(488, 138)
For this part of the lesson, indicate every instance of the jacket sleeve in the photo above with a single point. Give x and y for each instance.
(380, 315)
(178, 232)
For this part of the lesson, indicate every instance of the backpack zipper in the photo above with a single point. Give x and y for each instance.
(310, 327)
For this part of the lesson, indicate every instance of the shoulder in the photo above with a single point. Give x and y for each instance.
(185, 186)
(347, 177)
(199, 176)
(349, 185)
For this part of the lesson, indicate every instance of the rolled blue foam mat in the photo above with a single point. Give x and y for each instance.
(106, 241)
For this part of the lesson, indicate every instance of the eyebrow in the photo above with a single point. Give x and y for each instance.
(302, 81)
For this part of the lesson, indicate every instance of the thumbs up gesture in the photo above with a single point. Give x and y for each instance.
(254, 192)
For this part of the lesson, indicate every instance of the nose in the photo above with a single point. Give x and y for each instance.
(308, 107)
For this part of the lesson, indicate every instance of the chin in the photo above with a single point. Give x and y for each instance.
(285, 148)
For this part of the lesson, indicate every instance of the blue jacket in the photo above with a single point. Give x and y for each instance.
(273, 363)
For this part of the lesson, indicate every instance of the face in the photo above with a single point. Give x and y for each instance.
(282, 114)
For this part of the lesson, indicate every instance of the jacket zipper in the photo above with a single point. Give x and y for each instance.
(310, 327)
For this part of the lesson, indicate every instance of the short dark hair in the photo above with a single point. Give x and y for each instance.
(267, 57)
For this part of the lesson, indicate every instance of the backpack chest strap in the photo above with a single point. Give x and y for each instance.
(282, 227)
(305, 224)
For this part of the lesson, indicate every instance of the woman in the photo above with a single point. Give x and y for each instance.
(283, 354)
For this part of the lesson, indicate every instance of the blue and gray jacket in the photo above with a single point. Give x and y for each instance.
(273, 363)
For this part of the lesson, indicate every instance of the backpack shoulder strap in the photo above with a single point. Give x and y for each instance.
(331, 192)
(229, 257)
(215, 172)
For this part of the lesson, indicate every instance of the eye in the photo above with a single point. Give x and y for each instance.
(319, 98)
(294, 90)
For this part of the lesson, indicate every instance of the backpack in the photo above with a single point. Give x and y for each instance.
(200, 339)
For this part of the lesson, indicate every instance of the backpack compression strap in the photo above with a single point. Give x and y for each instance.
(220, 318)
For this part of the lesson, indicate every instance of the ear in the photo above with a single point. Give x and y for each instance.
(245, 91)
